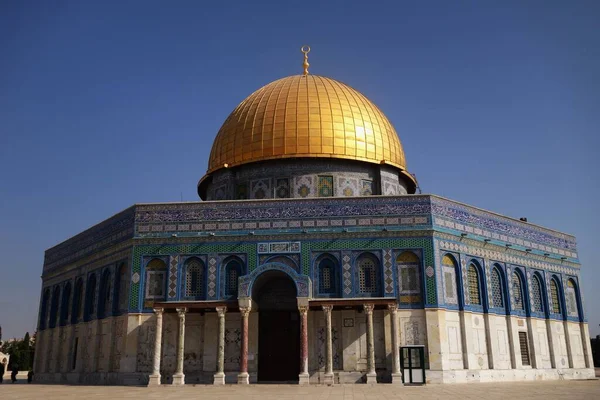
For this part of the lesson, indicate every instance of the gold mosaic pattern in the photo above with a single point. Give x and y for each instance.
(306, 116)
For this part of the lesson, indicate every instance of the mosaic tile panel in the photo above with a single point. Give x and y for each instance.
(347, 273)
(260, 189)
(172, 289)
(325, 186)
(388, 274)
(304, 186)
(366, 187)
(282, 188)
(211, 294)
(347, 187)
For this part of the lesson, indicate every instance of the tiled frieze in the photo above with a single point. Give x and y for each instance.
(173, 264)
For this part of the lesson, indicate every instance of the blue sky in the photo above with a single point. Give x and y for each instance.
(104, 104)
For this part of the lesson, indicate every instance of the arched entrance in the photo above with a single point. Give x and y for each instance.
(278, 327)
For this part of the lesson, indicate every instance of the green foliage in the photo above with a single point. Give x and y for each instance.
(21, 353)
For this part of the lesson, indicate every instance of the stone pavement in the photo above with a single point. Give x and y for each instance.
(571, 390)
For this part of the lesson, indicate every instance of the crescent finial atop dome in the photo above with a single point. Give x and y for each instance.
(305, 49)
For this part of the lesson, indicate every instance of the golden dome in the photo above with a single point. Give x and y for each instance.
(306, 116)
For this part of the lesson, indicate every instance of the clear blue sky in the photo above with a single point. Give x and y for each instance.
(104, 104)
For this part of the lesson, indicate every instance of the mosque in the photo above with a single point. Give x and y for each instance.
(311, 259)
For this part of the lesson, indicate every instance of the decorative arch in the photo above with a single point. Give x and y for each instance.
(498, 288)
(474, 284)
(120, 290)
(231, 269)
(54, 306)
(76, 311)
(327, 275)
(555, 295)
(408, 266)
(65, 304)
(156, 279)
(104, 298)
(44, 309)
(368, 272)
(538, 304)
(572, 299)
(450, 276)
(90, 297)
(518, 290)
(283, 259)
(194, 278)
(246, 282)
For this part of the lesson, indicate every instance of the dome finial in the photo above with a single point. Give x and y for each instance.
(305, 49)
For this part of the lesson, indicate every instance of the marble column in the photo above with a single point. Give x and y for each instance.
(396, 373)
(304, 377)
(154, 379)
(220, 375)
(179, 377)
(243, 377)
(371, 374)
(328, 377)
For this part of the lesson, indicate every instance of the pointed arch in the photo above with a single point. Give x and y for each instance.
(474, 285)
(105, 294)
(90, 297)
(572, 299)
(234, 268)
(518, 291)
(328, 276)
(449, 273)
(537, 294)
(119, 305)
(555, 296)
(194, 273)
(77, 307)
(368, 275)
(497, 287)
(409, 277)
(54, 307)
(65, 305)
(44, 309)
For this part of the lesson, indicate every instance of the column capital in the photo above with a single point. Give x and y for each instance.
(181, 311)
(368, 307)
(159, 310)
(244, 311)
(393, 308)
(221, 311)
(303, 310)
(327, 308)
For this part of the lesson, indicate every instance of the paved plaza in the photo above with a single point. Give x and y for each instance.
(571, 390)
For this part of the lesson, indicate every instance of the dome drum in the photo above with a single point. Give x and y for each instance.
(302, 178)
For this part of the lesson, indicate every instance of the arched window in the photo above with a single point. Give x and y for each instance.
(368, 273)
(328, 276)
(517, 296)
(105, 290)
(90, 297)
(449, 266)
(120, 296)
(554, 295)
(474, 287)
(77, 302)
(409, 281)
(537, 304)
(44, 309)
(571, 297)
(497, 288)
(65, 304)
(194, 278)
(156, 279)
(233, 270)
(54, 308)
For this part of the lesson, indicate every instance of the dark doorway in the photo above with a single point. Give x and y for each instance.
(278, 328)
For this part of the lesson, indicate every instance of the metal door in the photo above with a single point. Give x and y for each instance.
(412, 363)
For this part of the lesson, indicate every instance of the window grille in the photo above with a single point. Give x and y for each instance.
(497, 298)
(517, 292)
(367, 276)
(554, 296)
(156, 284)
(536, 292)
(473, 278)
(233, 272)
(524, 344)
(193, 278)
(571, 299)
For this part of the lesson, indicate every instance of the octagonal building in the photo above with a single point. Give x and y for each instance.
(311, 260)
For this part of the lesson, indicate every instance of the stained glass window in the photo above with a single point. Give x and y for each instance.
(325, 188)
(497, 297)
(367, 275)
(554, 296)
(194, 272)
(572, 308)
(517, 292)
(536, 292)
(473, 278)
